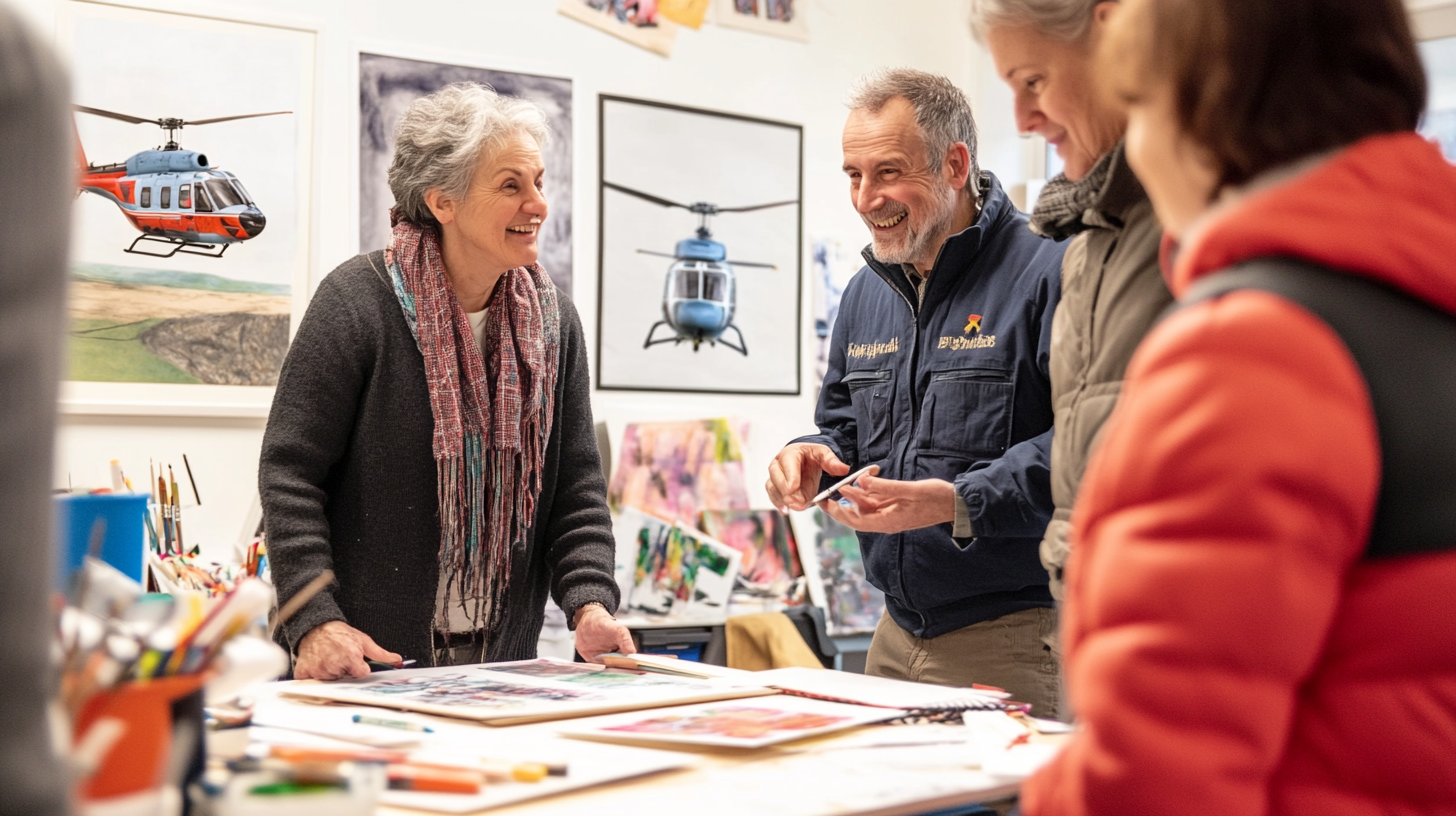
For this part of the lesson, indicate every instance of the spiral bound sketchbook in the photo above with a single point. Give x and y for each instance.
(881, 692)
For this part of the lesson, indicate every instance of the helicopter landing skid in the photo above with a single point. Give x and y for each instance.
(742, 347)
(177, 246)
(675, 339)
(649, 343)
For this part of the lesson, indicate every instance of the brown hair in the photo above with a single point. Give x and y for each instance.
(1260, 83)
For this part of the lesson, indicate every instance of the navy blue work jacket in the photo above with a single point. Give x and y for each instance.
(957, 389)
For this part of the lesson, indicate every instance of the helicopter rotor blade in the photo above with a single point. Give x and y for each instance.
(658, 254)
(754, 263)
(644, 196)
(135, 120)
(757, 206)
(230, 118)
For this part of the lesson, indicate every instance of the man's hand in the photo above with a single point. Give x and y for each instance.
(793, 475)
(336, 649)
(597, 633)
(890, 506)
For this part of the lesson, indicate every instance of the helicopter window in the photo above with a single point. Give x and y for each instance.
(685, 285)
(224, 195)
(715, 286)
(184, 197)
(204, 204)
(166, 198)
(146, 199)
(242, 191)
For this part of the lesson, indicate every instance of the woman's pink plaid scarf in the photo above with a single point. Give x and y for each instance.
(492, 414)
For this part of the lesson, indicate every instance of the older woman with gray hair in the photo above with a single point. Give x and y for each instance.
(1112, 289)
(431, 438)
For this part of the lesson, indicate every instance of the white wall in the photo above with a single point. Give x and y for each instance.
(713, 68)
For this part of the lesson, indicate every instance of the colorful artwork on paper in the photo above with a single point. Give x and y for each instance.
(676, 470)
(465, 690)
(854, 605)
(681, 571)
(732, 722)
(770, 553)
(739, 725)
(592, 675)
(636, 21)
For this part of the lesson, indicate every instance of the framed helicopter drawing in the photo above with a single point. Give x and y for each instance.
(701, 241)
(191, 250)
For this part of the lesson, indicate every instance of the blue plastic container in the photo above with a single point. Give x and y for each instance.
(124, 543)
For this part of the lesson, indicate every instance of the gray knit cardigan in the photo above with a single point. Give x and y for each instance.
(347, 480)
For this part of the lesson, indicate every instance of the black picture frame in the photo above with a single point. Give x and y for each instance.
(713, 162)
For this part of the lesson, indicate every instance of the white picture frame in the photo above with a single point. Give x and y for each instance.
(750, 167)
(274, 157)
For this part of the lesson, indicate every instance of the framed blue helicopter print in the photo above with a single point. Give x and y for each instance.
(700, 250)
(192, 245)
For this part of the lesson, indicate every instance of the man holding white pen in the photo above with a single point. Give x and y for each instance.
(938, 385)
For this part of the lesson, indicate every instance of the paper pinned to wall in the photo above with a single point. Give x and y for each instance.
(852, 604)
(638, 23)
(770, 552)
(685, 12)
(779, 18)
(676, 470)
(681, 571)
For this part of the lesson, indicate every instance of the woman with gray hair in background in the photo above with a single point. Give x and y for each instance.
(1112, 289)
(431, 438)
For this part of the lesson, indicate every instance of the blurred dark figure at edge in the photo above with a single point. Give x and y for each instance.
(35, 154)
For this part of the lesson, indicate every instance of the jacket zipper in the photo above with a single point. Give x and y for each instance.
(978, 374)
(874, 264)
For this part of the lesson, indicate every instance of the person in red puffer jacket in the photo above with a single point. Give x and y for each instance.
(1259, 612)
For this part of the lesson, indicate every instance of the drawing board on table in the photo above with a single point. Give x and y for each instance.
(700, 250)
(833, 556)
(191, 248)
(676, 470)
(736, 724)
(387, 86)
(521, 691)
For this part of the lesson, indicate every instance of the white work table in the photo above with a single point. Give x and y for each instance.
(861, 771)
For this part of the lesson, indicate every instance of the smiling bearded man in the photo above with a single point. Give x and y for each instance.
(938, 375)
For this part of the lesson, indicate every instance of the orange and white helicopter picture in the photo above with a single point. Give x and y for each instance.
(174, 197)
(191, 248)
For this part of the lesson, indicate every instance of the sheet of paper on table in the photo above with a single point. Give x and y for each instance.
(466, 745)
(875, 691)
(732, 724)
(522, 691)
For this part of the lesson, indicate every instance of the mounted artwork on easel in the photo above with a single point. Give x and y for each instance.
(191, 250)
(388, 84)
(701, 227)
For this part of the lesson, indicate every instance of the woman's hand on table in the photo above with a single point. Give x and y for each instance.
(335, 649)
(597, 633)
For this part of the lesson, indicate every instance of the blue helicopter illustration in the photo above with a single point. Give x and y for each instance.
(699, 294)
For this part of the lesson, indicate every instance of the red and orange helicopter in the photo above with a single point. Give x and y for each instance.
(173, 196)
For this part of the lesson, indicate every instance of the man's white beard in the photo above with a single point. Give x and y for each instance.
(917, 243)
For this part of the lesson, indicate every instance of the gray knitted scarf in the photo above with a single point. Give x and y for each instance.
(1063, 203)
